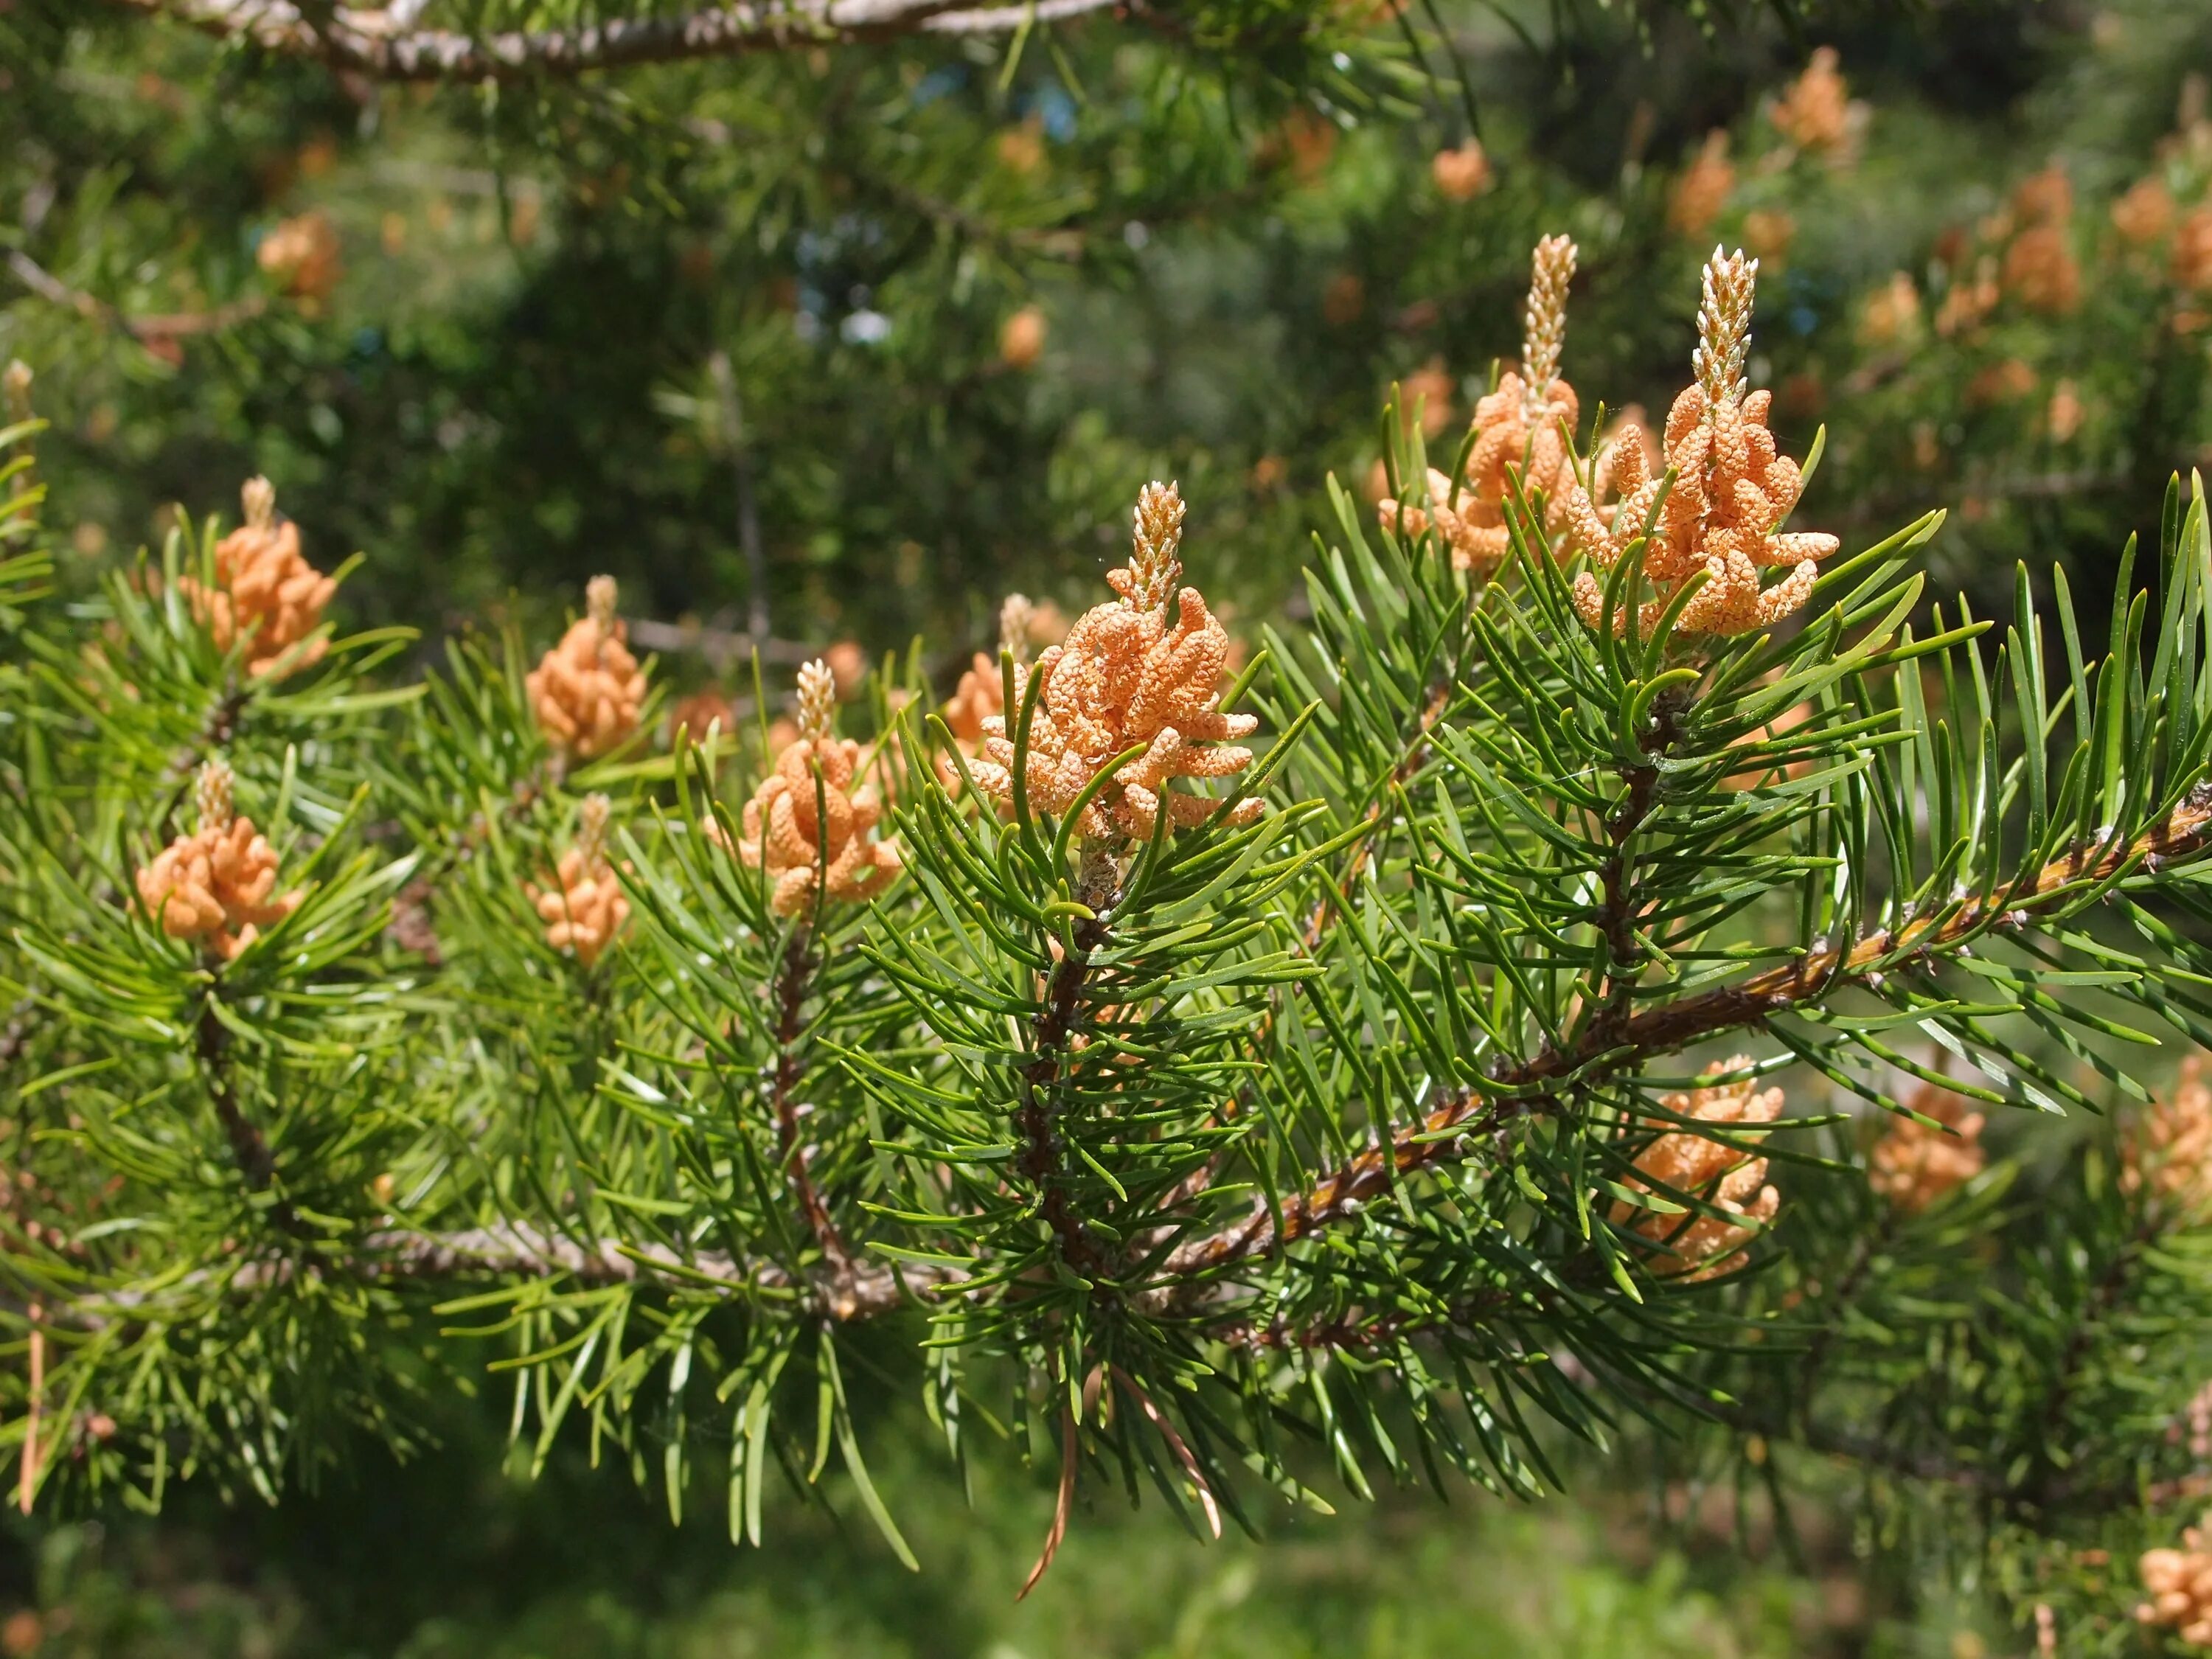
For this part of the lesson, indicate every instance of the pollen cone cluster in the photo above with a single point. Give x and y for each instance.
(2145, 213)
(217, 886)
(2169, 1155)
(2179, 1583)
(1913, 1165)
(1727, 1178)
(978, 697)
(1816, 112)
(981, 694)
(1732, 490)
(806, 824)
(586, 690)
(302, 253)
(2192, 251)
(2039, 268)
(1701, 194)
(1518, 432)
(1123, 678)
(585, 907)
(266, 595)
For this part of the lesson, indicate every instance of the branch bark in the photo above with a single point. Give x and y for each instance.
(249, 1149)
(515, 1251)
(794, 978)
(365, 40)
(1039, 1159)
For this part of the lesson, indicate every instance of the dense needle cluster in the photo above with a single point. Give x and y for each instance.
(1725, 1177)
(588, 689)
(1227, 1122)
(266, 595)
(1732, 489)
(217, 886)
(1123, 679)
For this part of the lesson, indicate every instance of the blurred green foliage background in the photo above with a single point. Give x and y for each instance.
(455, 1558)
(917, 321)
(944, 310)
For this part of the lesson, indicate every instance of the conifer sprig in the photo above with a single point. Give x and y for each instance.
(1430, 1050)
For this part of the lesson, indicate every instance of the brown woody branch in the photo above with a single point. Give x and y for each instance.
(855, 1290)
(720, 646)
(1850, 1446)
(367, 41)
(1035, 1120)
(794, 978)
(248, 1148)
(513, 1251)
(1538, 1085)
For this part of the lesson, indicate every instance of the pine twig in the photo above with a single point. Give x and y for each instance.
(144, 327)
(248, 1148)
(1039, 1159)
(1535, 1087)
(510, 1251)
(794, 978)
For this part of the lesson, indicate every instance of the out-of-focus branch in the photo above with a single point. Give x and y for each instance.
(724, 377)
(158, 326)
(515, 1251)
(721, 647)
(383, 42)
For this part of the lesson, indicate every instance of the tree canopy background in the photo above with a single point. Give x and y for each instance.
(936, 301)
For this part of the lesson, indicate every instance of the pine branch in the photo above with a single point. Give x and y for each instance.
(1050, 1030)
(720, 646)
(794, 978)
(510, 1250)
(160, 325)
(214, 735)
(1866, 1451)
(363, 40)
(1535, 1087)
(1618, 906)
(1335, 895)
(513, 1252)
(248, 1148)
